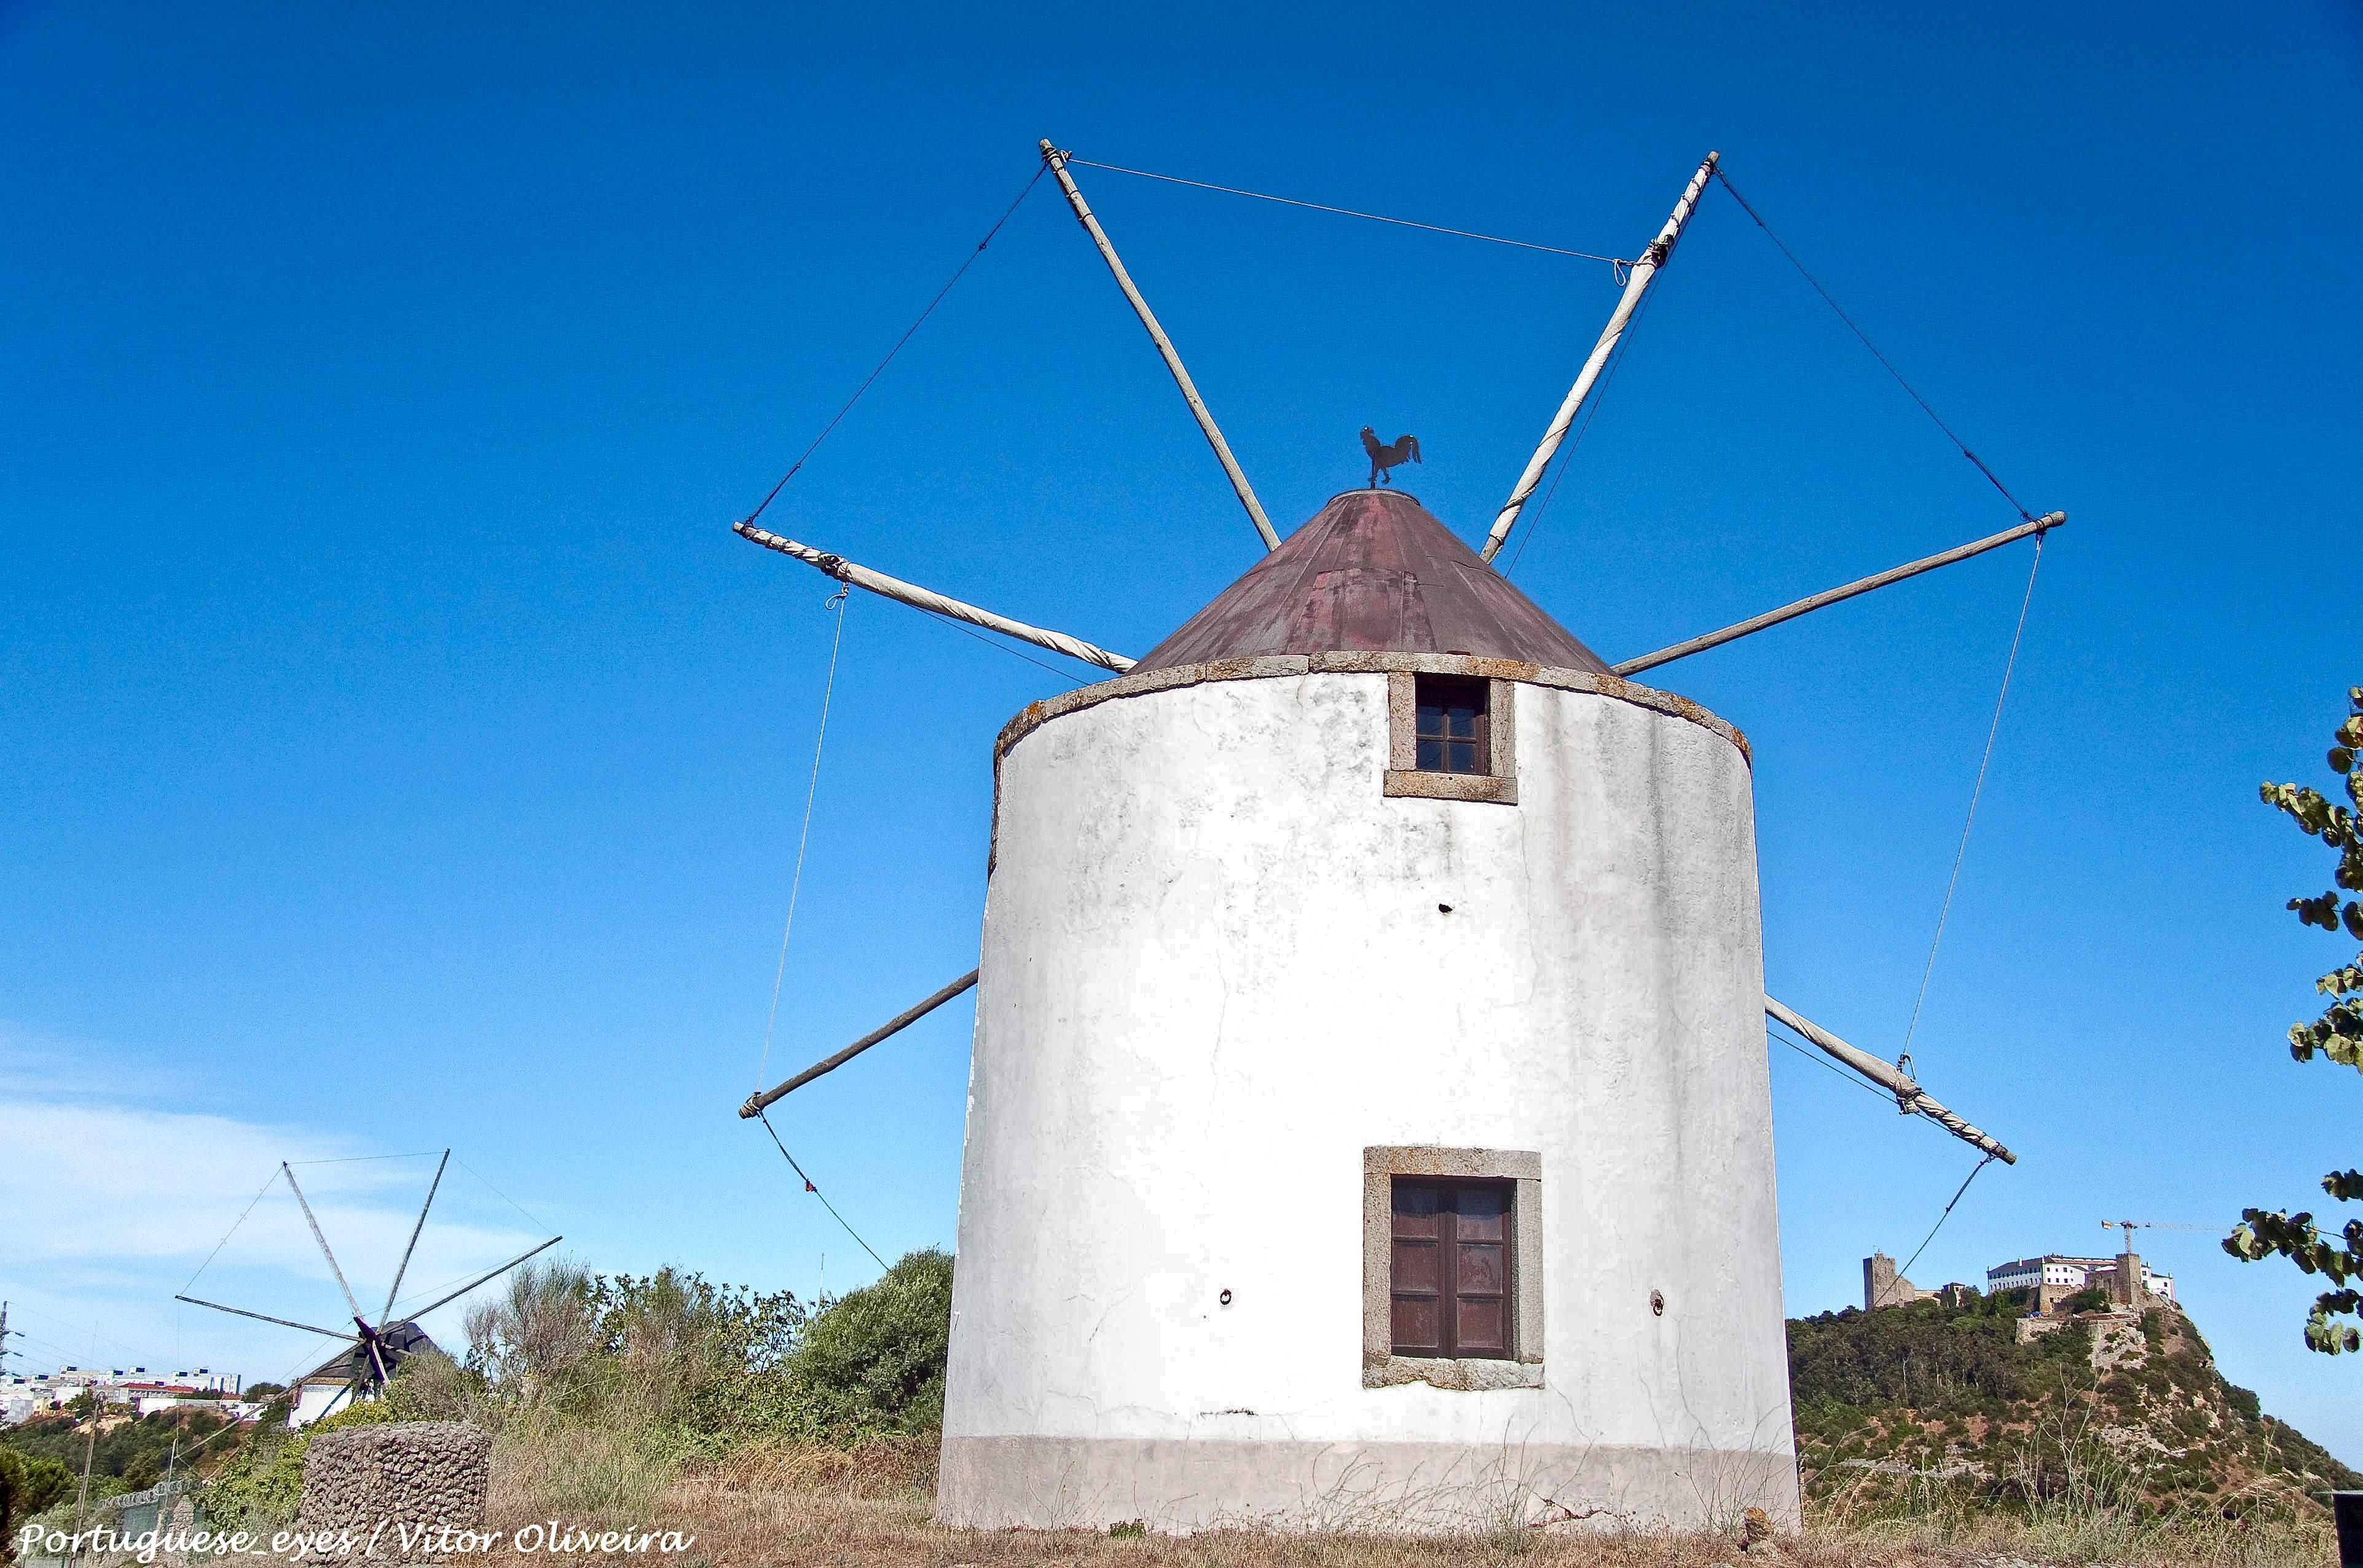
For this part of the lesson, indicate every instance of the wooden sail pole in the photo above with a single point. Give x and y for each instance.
(1637, 284)
(1057, 162)
(1833, 595)
(895, 1025)
(918, 598)
(1909, 1095)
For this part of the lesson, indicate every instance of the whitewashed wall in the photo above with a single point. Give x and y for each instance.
(1214, 970)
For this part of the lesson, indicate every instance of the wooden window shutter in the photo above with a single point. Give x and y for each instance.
(1451, 1268)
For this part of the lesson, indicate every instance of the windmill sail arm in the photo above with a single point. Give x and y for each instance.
(284, 1322)
(495, 1274)
(918, 598)
(1836, 595)
(310, 1219)
(1056, 162)
(1637, 284)
(395, 1289)
(1906, 1091)
(895, 1025)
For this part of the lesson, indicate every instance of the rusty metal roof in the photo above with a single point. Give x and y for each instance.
(1372, 572)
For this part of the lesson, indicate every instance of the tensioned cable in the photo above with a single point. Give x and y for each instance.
(1962, 848)
(914, 326)
(815, 1191)
(40, 1339)
(1821, 1061)
(1906, 1268)
(1004, 647)
(68, 1323)
(356, 1159)
(231, 1231)
(425, 1291)
(496, 1192)
(1942, 1218)
(1348, 212)
(2024, 514)
(804, 836)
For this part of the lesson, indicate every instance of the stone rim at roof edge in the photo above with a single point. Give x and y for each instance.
(1273, 666)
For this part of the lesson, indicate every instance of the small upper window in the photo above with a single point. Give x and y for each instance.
(1451, 728)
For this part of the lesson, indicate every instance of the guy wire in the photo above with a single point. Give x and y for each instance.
(804, 836)
(1942, 1218)
(815, 1191)
(231, 1231)
(1827, 1065)
(914, 326)
(1591, 408)
(2024, 514)
(1978, 789)
(1348, 212)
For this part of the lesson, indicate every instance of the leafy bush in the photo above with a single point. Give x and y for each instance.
(29, 1483)
(601, 1390)
(872, 1361)
(135, 1452)
(261, 1484)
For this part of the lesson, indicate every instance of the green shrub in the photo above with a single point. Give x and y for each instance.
(29, 1483)
(263, 1481)
(872, 1361)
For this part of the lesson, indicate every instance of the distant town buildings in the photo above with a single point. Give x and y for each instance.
(2054, 1278)
(25, 1394)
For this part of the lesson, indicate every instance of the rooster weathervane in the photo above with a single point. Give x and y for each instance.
(1384, 457)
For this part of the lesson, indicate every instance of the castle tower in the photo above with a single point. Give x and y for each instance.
(1369, 1120)
(1878, 1282)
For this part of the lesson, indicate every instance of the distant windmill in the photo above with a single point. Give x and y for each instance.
(375, 1350)
(1371, 1049)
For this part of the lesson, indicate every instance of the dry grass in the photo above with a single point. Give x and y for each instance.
(803, 1507)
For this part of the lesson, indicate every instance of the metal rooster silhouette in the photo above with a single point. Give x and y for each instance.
(1384, 458)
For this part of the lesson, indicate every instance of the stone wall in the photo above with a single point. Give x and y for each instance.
(400, 1486)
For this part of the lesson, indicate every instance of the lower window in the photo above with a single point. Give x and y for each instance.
(1449, 1286)
(1452, 1267)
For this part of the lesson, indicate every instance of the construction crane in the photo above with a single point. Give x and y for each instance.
(2130, 1226)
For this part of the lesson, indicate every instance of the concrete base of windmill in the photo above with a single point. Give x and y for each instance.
(1186, 1484)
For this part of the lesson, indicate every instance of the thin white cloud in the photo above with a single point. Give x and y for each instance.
(114, 1207)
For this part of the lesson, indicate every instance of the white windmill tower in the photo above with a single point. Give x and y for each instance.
(1368, 1117)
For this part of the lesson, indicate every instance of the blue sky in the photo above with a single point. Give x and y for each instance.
(403, 754)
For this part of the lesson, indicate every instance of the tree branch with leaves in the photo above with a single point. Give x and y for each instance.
(2337, 1034)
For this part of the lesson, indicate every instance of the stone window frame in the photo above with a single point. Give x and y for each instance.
(1381, 1368)
(1404, 778)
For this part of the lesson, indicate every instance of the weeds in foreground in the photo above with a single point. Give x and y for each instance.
(2067, 1496)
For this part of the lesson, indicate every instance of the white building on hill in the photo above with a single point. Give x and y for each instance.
(2064, 1276)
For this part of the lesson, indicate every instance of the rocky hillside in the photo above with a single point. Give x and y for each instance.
(2103, 1400)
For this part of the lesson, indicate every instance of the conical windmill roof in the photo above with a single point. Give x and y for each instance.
(1372, 572)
